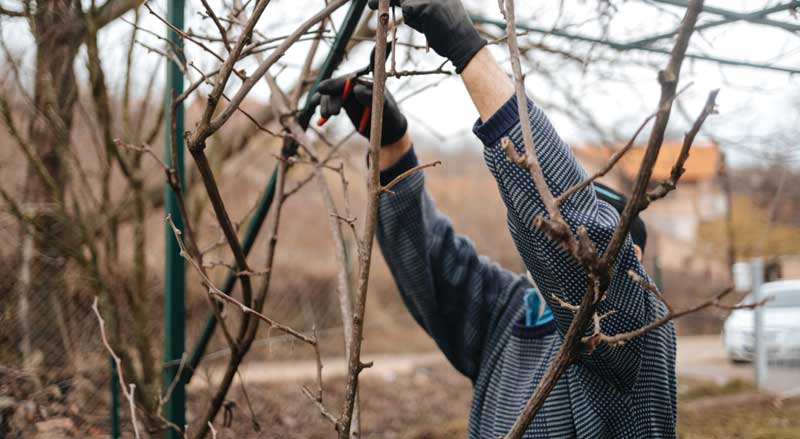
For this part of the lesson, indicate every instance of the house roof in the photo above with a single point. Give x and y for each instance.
(703, 162)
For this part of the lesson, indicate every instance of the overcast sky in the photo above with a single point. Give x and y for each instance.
(618, 90)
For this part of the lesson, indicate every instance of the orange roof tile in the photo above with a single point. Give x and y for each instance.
(703, 162)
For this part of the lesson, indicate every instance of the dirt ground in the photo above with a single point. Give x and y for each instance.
(433, 402)
(413, 393)
(419, 395)
(402, 405)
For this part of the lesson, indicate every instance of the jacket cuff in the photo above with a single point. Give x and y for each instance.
(501, 122)
(406, 162)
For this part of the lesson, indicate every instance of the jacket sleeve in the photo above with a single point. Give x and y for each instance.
(555, 272)
(456, 295)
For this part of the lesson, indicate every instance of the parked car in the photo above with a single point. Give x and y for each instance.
(781, 317)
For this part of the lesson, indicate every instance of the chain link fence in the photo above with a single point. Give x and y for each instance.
(56, 378)
(54, 373)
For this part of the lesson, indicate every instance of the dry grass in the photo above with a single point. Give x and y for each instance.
(756, 419)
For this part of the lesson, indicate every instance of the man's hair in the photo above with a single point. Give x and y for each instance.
(617, 200)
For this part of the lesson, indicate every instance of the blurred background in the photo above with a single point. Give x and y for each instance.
(591, 65)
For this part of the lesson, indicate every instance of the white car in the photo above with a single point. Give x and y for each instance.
(781, 317)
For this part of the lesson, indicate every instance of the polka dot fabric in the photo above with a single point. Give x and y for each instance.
(473, 308)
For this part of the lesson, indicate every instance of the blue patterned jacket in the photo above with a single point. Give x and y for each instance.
(473, 308)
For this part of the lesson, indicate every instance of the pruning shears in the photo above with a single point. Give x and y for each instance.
(350, 82)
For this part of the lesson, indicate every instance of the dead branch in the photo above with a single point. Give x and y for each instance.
(222, 32)
(437, 71)
(308, 65)
(146, 150)
(184, 35)
(194, 258)
(281, 104)
(225, 223)
(322, 409)
(246, 338)
(228, 65)
(318, 398)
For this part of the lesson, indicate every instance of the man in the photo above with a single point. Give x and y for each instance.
(474, 309)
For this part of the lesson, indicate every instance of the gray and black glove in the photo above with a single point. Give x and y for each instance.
(355, 95)
(446, 25)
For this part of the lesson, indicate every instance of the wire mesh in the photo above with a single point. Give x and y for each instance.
(54, 373)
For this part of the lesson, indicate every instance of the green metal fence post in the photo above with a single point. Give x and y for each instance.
(174, 276)
(114, 400)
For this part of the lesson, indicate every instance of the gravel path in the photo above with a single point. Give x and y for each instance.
(701, 357)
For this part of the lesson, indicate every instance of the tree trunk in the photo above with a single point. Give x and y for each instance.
(58, 38)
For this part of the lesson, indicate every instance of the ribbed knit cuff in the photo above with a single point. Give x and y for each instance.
(500, 123)
(406, 162)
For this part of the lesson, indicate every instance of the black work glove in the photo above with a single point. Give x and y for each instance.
(446, 25)
(355, 95)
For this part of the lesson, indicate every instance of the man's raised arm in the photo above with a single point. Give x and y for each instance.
(557, 273)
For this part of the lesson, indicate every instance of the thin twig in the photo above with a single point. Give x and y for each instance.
(408, 173)
(608, 166)
(217, 293)
(669, 185)
(207, 126)
(144, 149)
(127, 391)
(322, 410)
(222, 32)
(622, 338)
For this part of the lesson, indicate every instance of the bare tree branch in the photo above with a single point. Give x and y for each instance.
(128, 392)
(531, 161)
(222, 32)
(113, 9)
(667, 186)
(668, 78)
(355, 366)
(207, 126)
(388, 187)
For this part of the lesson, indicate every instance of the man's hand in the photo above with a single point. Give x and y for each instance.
(450, 33)
(355, 96)
(446, 25)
